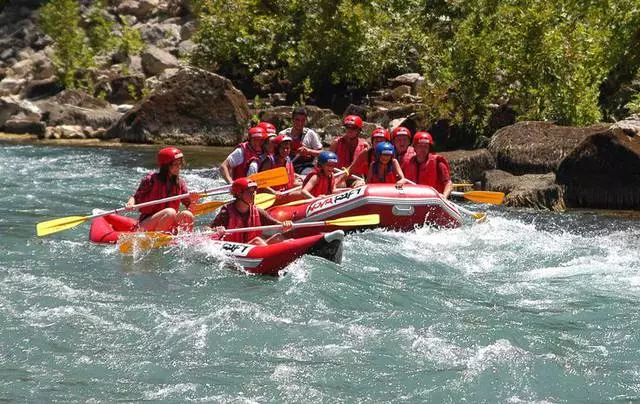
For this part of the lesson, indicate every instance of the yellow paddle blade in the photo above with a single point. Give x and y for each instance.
(206, 207)
(56, 225)
(264, 200)
(141, 241)
(495, 198)
(363, 220)
(462, 185)
(271, 178)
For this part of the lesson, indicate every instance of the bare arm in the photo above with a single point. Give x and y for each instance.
(225, 171)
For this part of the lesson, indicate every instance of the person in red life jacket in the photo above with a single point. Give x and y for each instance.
(428, 168)
(268, 146)
(349, 145)
(243, 161)
(385, 169)
(242, 212)
(322, 181)
(162, 184)
(305, 145)
(281, 158)
(361, 163)
(401, 139)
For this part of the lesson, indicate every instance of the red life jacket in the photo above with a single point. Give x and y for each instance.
(236, 221)
(324, 186)
(343, 151)
(426, 173)
(363, 165)
(292, 174)
(250, 155)
(389, 176)
(404, 159)
(160, 190)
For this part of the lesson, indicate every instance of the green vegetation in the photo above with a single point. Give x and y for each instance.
(77, 46)
(547, 60)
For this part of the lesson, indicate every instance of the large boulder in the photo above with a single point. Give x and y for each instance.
(12, 107)
(468, 165)
(72, 107)
(538, 191)
(536, 147)
(603, 171)
(190, 106)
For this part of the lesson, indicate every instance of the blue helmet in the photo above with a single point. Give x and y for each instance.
(385, 148)
(327, 157)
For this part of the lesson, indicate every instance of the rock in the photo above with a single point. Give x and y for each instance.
(125, 90)
(501, 116)
(188, 29)
(124, 108)
(414, 80)
(356, 110)
(155, 61)
(163, 35)
(397, 93)
(536, 147)
(36, 89)
(24, 126)
(10, 85)
(185, 48)
(629, 126)
(190, 106)
(603, 171)
(141, 9)
(383, 113)
(537, 191)
(469, 165)
(70, 132)
(12, 106)
(72, 107)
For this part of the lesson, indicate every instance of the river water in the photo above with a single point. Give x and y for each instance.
(527, 307)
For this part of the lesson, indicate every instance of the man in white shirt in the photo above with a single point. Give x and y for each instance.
(306, 144)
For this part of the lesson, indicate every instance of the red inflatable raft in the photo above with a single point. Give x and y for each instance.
(400, 209)
(254, 259)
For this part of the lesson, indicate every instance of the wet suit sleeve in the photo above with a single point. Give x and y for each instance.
(222, 219)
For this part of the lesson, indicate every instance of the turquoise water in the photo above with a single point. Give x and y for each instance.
(528, 307)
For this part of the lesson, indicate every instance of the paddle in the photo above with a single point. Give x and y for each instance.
(495, 198)
(277, 176)
(479, 216)
(149, 240)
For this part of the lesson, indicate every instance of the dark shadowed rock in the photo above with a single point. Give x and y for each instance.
(468, 165)
(37, 89)
(24, 126)
(603, 172)
(191, 106)
(536, 147)
(537, 191)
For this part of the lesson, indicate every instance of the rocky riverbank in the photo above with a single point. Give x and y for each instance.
(157, 98)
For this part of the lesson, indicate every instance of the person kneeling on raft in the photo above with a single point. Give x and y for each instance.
(162, 184)
(242, 212)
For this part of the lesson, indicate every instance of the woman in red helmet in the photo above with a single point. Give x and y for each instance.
(244, 159)
(162, 184)
(242, 212)
(281, 158)
(428, 168)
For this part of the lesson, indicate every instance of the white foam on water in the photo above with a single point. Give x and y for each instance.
(172, 391)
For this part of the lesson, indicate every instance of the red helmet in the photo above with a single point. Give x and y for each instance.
(400, 131)
(257, 132)
(242, 184)
(422, 138)
(168, 155)
(380, 133)
(278, 140)
(353, 121)
(268, 127)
